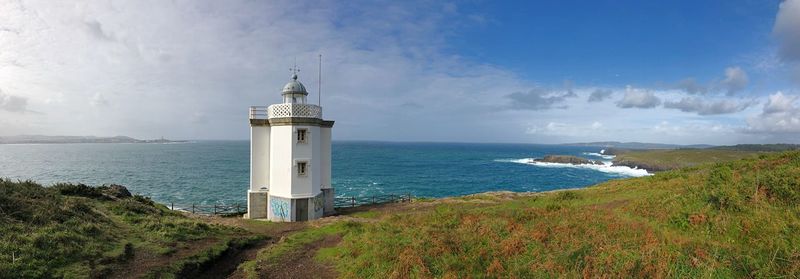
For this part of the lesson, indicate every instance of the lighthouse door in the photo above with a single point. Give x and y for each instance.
(301, 207)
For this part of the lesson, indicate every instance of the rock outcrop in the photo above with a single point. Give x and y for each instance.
(567, 159)
(117, 191)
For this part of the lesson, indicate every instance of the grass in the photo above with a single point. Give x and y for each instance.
(660, 160)
(295, 242)
(732, 219)
(77, 231)
(195, 264)
(366, 214)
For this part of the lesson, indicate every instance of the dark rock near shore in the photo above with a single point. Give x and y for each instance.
(645, 166)
(104, 192)
(117, 191)
(567, 159)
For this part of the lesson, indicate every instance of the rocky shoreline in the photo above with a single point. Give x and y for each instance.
(574, 160)
(644, 166)
(568, 159)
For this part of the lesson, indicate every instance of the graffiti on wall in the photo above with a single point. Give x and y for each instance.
(319, 203)
(279, 207)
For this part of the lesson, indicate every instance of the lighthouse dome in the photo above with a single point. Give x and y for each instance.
(294, 87)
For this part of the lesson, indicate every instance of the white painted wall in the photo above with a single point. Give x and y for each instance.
(306, 186)
(282, 162)
(325, 152)
(259, 157)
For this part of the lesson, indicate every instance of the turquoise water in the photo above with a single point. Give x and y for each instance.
(217, 171)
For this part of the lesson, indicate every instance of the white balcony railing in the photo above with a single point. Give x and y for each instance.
(294, 110)
(258, 112)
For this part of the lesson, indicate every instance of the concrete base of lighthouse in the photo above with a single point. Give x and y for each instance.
(327, 195)
(281, 209)
(262, 205)
(256, 204)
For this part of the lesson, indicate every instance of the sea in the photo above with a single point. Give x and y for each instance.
(217, 172)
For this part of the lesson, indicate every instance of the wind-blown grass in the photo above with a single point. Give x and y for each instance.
(733, 219)
(660, 160)
(78, 231)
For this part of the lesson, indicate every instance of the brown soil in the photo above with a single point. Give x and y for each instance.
(301, 263)
(228, 264)
(144, 261)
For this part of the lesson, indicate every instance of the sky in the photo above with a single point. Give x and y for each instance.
(685, 72)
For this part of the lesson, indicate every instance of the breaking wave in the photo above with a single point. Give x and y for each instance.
(601, 155)
(606, 167)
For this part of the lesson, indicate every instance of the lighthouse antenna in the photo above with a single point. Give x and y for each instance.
(294, 69)
(319, 82)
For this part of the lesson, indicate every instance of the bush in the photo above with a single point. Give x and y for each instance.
(783, 184)
(26, 201)
(567, 195)
(724, 193)
(80, 190)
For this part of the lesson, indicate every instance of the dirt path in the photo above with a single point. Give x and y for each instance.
(301, 263)
(145, 261)
(296, 264)
(228, 264)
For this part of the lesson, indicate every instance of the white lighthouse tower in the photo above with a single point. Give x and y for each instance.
(290, 159)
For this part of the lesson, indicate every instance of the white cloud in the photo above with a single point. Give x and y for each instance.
(638, 98)
(98, 100)
(691, 86)
(13, 103)
(779, 115)
(735, 80)
(539, 99)
(191, 69)
(779, 103)
(701, 107)
(787, 30)
(599, 95)
(564, 129)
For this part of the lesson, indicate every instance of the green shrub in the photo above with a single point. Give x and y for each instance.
(724, 193)
(567, 196)
(783, 184)
(80, 190)
(66, 231)
(144, 200)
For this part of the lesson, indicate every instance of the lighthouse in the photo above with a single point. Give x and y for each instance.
(290, 159)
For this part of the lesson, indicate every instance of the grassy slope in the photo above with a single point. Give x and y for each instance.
(74, 231)
(733, 219)
(659, 160)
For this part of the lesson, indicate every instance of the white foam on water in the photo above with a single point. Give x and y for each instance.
(601, 155)
(605, 167)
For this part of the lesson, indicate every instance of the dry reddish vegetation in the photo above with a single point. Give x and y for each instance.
(737, 219)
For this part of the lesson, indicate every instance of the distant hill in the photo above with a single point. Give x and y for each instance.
(39, 139)
(760, 147)
(637, 145)
(668, 159)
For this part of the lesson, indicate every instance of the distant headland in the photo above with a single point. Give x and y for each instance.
(637, 145)
(39, 139)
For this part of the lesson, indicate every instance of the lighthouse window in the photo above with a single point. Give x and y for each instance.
(301, 168)
(301, 135)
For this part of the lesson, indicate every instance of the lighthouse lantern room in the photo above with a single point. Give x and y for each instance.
(290, 159)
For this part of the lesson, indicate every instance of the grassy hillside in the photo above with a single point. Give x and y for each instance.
(733, 219)
(661, 160)
(76, 231)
